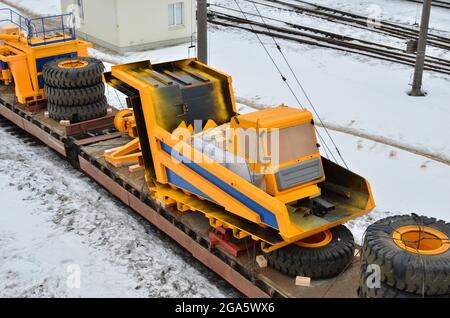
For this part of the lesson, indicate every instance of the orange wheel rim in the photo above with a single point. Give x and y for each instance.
(319, 240)
(119, 119)
(421, 240)
(73, 64)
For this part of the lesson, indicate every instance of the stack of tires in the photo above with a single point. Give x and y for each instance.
(406, 257)
(74, 89)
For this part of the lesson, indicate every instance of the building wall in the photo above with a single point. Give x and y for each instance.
(99, 21)
(125, 25)
(144, 21)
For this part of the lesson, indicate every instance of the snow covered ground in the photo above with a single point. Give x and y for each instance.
(275, 15)
(37, 7)
(55, 219)
(352, 93)
(399, 11)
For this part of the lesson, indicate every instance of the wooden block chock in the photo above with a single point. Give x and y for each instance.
(136, 168)
(303, 281)
(261, 261)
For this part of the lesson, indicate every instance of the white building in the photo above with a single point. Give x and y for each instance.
(133, 25)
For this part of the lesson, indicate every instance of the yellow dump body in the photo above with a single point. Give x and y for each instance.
(190, 95)
(28, 44)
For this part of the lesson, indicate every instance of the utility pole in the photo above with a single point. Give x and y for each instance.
(421, 49)
(202, 31)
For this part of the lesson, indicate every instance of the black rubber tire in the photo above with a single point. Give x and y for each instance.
(75, 97)
(403, 270)
(86, 76)
(385, 291)
(317, 263)
(77, 114)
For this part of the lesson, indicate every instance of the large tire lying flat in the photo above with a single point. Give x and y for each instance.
(386, 291)
(403, 269)
(85, 72)
(75, 97)
(317, 263)
(77, 114)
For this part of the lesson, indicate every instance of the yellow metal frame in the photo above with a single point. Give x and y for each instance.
(124, 155)
(130, 153)
(21, 60)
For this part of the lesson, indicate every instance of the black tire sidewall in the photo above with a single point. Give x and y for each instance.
(78, 113)
(75, 97)
(67, 78)
(317, 263)
(384, 290)
(403, 270)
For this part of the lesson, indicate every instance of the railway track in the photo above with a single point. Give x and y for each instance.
(307, 35)
(354, 20)
(435, 3)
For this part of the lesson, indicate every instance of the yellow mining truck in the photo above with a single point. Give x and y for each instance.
(26, 45)
(258, 176)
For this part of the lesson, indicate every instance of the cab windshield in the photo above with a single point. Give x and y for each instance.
(290, 144)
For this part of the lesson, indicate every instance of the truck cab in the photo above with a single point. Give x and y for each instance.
(288, 155)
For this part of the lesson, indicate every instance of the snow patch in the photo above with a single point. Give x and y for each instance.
(52, 216)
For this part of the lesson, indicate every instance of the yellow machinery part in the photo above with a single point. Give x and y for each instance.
(180, 175)
(25, 58)
(6, 77)
(130, 153)
(422, 240)
(124, 155)
(125, 122)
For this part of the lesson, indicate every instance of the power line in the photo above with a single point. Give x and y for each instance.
(284, 79)
(298, 82)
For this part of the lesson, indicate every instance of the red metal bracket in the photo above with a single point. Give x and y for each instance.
(222, 237)
(35, 106)
(94, 124)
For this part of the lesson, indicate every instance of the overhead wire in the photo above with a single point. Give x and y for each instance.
(299, 83)
(285, 80)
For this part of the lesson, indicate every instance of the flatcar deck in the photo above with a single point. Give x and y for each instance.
(190, 229)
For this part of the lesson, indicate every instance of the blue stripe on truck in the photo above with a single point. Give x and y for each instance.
(176, 180)
(266, 216)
